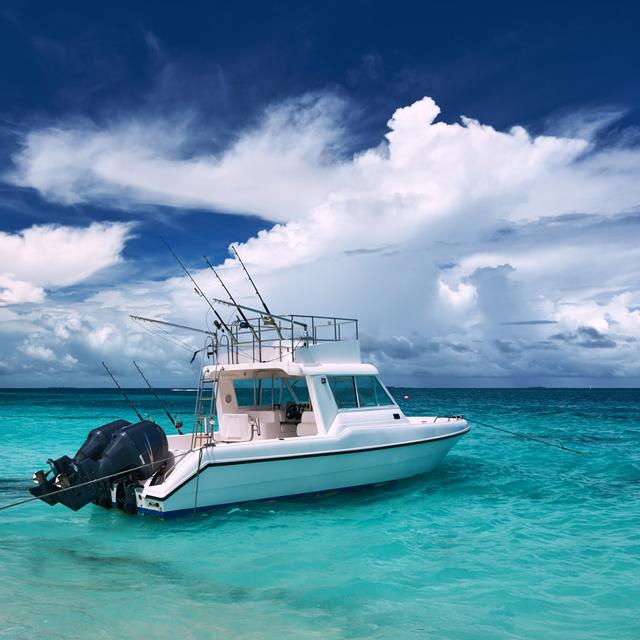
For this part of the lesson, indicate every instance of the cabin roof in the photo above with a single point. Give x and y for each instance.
(292, 369)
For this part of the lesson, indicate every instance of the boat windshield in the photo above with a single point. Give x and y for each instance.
(359, 392)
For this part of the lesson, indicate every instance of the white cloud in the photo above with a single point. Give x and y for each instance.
(37, 351)
(293, 160)
(450, 241)
(462, 295)
(48, 256)
(278, 169)
(14, 291)
(55, 255)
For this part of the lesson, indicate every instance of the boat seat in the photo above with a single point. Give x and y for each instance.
(307, 425)
(235, 427)
(269, 424)
(288, 429)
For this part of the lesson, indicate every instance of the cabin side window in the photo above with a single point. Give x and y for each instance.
(293, 390)
(270, 392)
(371, 393)
(352, 392)
(245, 392)
(344, 391)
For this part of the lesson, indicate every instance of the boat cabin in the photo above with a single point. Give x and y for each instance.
(265, 405)
(291, 400)
(308, 386)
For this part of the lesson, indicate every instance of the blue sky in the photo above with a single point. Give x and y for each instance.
(494, 250)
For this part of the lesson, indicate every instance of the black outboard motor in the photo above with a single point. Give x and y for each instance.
(98, 439)
(124, 451)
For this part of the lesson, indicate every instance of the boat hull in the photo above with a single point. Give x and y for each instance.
(224, 482)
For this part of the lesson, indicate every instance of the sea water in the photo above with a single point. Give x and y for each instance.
(506, 539)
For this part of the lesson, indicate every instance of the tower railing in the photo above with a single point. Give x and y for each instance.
(275, 338)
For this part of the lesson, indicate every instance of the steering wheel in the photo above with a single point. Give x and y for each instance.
(293, 412)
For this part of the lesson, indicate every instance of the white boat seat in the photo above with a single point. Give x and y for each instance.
(288, 429)
(307, 425)
(269, 424)
(235, 427)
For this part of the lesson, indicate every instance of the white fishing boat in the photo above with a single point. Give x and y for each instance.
(285, 406)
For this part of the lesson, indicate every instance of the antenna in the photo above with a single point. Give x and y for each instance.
(178, 424)
(238, 307)
(264, 304)
(199, 291)
(126, 397)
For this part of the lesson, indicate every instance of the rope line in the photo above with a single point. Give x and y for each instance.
(156, 333)
(177, 340)
(168, 338)
(522, 435)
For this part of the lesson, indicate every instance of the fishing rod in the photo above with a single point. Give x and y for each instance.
(238, 307)
(199, 291)
(181, 326)
(126, 397)
(244, 306)
(178, 424)
(172, 324)
(264, 304)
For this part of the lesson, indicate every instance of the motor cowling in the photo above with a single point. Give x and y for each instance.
(142, 445)
(120, 450)
(98, 440)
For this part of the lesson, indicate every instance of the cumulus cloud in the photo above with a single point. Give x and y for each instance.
(294, 159)
(47, 256)
(39, 352)
(468, 253)
(14, 291)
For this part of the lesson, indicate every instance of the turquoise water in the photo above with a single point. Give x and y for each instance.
(506, 539)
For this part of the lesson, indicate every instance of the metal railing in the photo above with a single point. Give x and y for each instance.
(272, 338)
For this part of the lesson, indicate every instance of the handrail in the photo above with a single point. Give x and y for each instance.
(252, 336)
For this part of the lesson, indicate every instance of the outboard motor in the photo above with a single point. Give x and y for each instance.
(126, 452)
(98, 439)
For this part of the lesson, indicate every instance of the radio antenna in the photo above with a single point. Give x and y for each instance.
(264, 304)
(126, 397)
(177, 424)
(199, 291)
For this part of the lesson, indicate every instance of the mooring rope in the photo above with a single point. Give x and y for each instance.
(522, 435)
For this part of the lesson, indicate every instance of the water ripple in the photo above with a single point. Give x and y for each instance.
(506, 539)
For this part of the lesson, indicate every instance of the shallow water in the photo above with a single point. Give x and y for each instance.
(506, 539)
